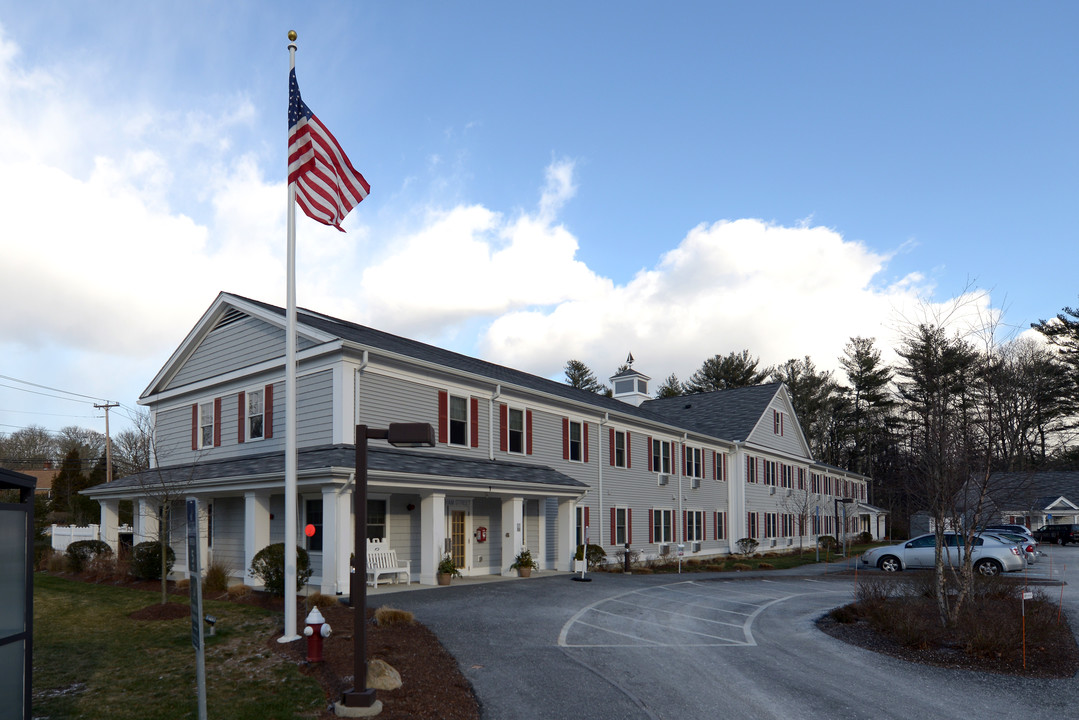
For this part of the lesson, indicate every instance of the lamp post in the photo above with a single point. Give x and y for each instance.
(398, 435)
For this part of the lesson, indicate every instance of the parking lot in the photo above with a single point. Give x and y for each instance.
(705, 645)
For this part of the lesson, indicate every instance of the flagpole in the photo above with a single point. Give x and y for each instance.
(290, 403)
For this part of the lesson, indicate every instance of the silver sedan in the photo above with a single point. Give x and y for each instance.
(991, 555)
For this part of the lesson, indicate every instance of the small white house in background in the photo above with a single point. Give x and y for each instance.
(521, 461)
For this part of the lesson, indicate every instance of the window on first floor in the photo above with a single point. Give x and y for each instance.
(721, 525)
(771, 528)
(752, 525)
(694, 525)
(662, 531)
(313, 517)
(583, 529)
(376, 519)
(621, 526)
(787, 525)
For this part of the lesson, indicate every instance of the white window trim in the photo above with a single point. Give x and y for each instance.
(697, 526)
(569, 440)
(246, 419)
(694, 469)
(624, 510)
(670, 452)
(202, 443)
(625, 454)
(510, 409)
(668, 527)
(449, 419)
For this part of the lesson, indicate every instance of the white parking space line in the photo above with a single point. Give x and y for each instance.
(684, 614)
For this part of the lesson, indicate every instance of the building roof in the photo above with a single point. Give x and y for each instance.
(1033, 490)
(379, 459)
(10, 479)
(729, 414)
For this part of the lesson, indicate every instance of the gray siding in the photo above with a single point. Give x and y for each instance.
(240, 344)
(314, 418)
(229, 534)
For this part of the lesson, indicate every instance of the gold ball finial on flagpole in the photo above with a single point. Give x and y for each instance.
(292, 35)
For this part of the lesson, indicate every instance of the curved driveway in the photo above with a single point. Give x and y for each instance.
(700, 646)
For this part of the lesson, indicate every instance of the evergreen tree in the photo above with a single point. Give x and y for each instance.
(580, 376)
(871, 402)
(671, 387)
(736, 370)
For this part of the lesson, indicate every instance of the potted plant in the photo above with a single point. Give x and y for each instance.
(524, 564)
(447, 570)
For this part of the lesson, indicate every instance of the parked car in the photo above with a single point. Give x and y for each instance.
(990, 555)
(1061, 534)
(1025, 542)
(1010, 528)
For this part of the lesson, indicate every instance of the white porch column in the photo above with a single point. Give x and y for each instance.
(512, 531)
(432, 535)
(256, 531)
(336, 545)
(147, 522)
(565, 545)
(541, 552)
(110, 516)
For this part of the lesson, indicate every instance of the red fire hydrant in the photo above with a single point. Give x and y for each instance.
(317, 628)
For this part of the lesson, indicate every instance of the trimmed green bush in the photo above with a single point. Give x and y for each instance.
(596, 555)
(81, 552)
(827, 542)
(865, 537)
(747, 545)
(269, 567)
(146, 560)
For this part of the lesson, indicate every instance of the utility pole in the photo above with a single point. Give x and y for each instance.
(108, 440)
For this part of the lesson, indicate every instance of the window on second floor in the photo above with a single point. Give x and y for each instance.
(661, 456)
(208, 431)
(255, 414)
(694, 462)
(619, 448)
(574, 440)
(516, 430)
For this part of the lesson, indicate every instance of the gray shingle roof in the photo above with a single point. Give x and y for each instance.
(387, 459)
(729, 414)
(1033, 490)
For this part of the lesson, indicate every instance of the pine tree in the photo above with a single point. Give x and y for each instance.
(736, 370)
(580, 376)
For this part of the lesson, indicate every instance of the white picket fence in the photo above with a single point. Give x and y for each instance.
(64, 535)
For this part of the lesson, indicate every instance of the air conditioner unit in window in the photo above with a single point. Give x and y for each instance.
(695, 483)
(664, 479)
(773, 542)
(789, 491)
(664, 549)
(772, 490)
(790, 541)
(695, 547)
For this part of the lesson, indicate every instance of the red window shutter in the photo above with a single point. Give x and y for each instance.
(474, 421)
(528, 431)
(217, 422)
(651, 526)
(195, 426)
(503, 427)
(443, 415)
(241, 413)
(715, 526)
(629, 455)
(610, 445)
(704, 464)
(629, 525)
(704, 525)
(587, 523)
(715, 466)
(648, 452)
(565, 444)
(584, 439)
(267, 412)
(614, 535)
(685, 535)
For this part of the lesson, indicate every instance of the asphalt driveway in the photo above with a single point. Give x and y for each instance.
(700, 646)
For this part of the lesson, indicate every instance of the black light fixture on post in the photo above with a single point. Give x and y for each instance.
(841, 546)
(398, 435)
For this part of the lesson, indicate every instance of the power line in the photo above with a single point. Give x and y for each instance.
(46, 387)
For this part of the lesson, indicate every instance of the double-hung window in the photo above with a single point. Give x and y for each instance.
(207, 420)
(661, 526)
(769, 472)
(621, 526)
(661, 456)
(770, 528)
(575, 441)
(458, 420)
(256, 411)
(786, 476)
(751, 470)
(313, 516)
(376, 519)
(619, 448)
(694, 526)
(694, 462)
(721, 525)
(752, 527)
(516, 430)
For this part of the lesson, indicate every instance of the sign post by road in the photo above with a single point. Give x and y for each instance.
(195, 571)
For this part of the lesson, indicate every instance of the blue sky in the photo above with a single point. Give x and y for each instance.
(551, 181)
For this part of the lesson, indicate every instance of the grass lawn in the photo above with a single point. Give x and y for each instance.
(93, 661)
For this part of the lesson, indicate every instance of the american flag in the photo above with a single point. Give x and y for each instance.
(327, 186)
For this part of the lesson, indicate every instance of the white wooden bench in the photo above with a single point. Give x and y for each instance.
(383, 561)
